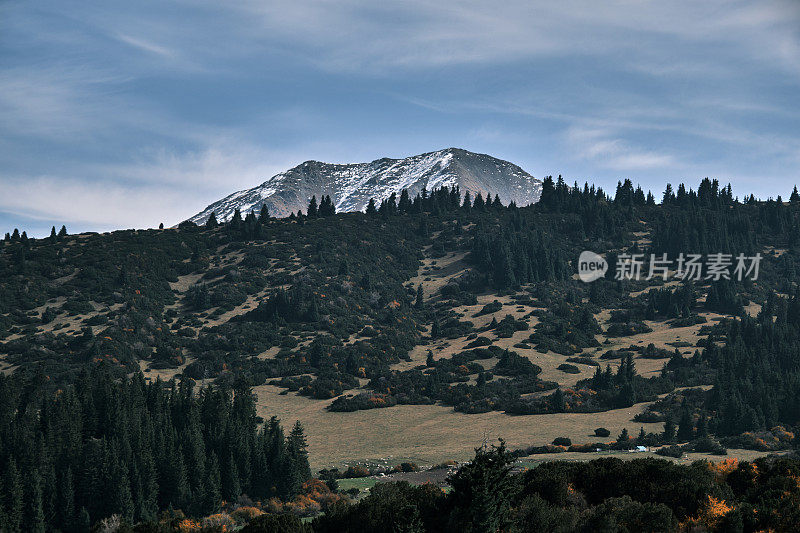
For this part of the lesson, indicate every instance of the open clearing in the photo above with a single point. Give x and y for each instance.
(429, 434)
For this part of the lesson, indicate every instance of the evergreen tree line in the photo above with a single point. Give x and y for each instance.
(758, 381)
(73, 456)
(511, 257)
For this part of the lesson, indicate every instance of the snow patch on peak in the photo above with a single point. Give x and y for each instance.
(352, 185)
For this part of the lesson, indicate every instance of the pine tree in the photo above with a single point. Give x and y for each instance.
(795, 197)
(297, 449)
(212, 485)
(148, 501)
(66, 500)
(685, 424)
(467, 205)
(34, 515)
(558, 401)
(236, 220)
(14, 504)
(404, 206)
(53, 235)
(312, 207)
(326, 207)
(481, 492)
(430, 362)
(174, 487)
(669, 430)
(371, 209)
(420, 302)
(263, 217)
(702, 426)
(121, 500)
(84, 520)
(63, 231)
(212, 223)
(231, 489)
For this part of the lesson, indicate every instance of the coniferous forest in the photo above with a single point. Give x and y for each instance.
(89, 441)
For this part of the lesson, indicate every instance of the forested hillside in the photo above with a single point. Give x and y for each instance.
(332, 307)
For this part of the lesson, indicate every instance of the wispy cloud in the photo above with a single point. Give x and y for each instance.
(146, 46)
(148, 111)
(602, 148)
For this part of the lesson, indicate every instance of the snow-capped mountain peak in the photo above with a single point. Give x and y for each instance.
(351, 186)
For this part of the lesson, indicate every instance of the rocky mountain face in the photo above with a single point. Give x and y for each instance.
(352, 185)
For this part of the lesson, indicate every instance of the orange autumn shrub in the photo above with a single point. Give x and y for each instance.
(243, 515)
(219, 521)
(356, 471)
(274, 505)
(782, 434)
(187, 525)
(713, 511)
(723, 468)
(303, 505)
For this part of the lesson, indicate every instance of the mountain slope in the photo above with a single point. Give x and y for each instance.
(352, 185)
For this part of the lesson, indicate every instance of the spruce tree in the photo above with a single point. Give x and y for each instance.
(236, 220)
(404, 206)
(212, 486)
(371, 209)
(34, 521)
(685, 424)
(212, 223)
(14, 498)
(297, 449)
(702, 426)
(231, 489)
(669, 430)
(795, 197)
(467, 205)
(482, 491)
(66, 500)
(312, 207)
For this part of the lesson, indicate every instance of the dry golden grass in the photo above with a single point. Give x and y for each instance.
(166, 374)
(428, 434)
(440, 271)
(688, 458)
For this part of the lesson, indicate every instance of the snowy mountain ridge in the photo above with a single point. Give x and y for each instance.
(351, 186)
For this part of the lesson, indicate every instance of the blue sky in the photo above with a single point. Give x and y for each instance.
(127, 114)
